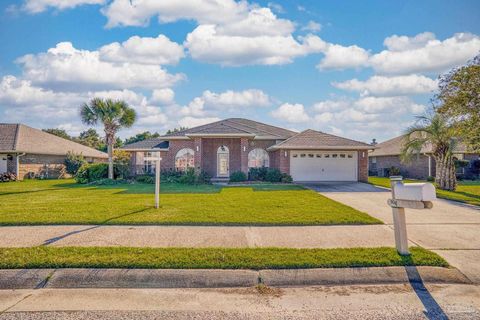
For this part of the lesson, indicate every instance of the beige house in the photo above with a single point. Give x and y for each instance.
(28, 152)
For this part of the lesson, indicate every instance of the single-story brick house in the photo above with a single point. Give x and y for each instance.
(236, 144)
(387, 155)
(29, 152)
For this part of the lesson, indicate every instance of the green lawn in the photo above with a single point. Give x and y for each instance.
(467, 191)
(35, 202)
(206, 258)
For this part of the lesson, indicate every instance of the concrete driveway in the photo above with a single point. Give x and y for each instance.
(451, 229)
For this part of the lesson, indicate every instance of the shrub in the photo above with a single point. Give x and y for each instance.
(203, 178)
(7, 177)
(393, 171)
(238, 176)
(92, 172)
(257, 174)
(121, 163)
(188, 177)
(170, 175)
(145, 179)
(273, 175)
(73, 162)
(286, 178)
(430, 178)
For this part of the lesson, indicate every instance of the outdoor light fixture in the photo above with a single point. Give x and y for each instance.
(285, 154)
(244, 148)
(197, 148)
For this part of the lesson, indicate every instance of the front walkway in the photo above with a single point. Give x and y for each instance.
(451, 229)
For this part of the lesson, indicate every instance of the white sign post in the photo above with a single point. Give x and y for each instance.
(412, 196)
(157, 178)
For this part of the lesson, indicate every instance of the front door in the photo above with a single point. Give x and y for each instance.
(222, 165)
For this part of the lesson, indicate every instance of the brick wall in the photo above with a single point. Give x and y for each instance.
(168, 158)
(417, 168)
(362, 158)
(280, 161)
(209, 154)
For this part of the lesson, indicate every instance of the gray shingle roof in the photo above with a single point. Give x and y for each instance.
(311, 139)
(236, 126)
(393, 147)
(154, 143)
(22, 138)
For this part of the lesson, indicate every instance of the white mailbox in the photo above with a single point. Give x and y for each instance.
(415, 191)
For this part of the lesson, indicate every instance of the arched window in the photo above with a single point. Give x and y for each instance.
(258, 158)
(184, 159)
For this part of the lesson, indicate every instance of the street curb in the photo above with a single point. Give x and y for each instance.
(216, 278)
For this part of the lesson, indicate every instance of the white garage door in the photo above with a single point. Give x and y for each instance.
(323, 165)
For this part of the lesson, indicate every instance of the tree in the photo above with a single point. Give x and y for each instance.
(58, 132)
(459, 99)
(434, 131)
(142, 136)
(175, 130)
(92, 139)
(114, 115)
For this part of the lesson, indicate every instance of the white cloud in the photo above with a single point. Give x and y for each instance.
(37, 6)
(388, 86)
(236, 99)
(67, 67)
(163, 96)
(392, 105)
(293, 113)
(190, 122)
(330, 105)
(403, 43)
(312, 26)
(207, 45)
(139, 12)
(276, 7)
(424, 53)
(194, 108)
(159, 50)
(258, 22)
(340, 57)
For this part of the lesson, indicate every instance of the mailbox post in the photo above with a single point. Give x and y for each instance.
(413, 196)
(157, 178)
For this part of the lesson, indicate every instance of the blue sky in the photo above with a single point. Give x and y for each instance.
(360, 69)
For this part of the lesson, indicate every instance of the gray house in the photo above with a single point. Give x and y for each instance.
(387, 155)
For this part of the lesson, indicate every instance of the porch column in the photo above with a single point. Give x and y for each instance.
(244, 155)
(198, 154)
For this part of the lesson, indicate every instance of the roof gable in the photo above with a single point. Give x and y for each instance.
(147, 144)
(235, 126)
(312, 139)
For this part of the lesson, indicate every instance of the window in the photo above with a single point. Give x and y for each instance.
(342, 155)
(334, 155)
(303, 155)
(327, 155)
(149, 166)
(351, 156)
(319, 155)
(295, 155)
(184, 159)
(258, 158)
(374, 159)
(310, 155)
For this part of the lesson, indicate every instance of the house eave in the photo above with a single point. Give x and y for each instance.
(145, 149)
(273, 148)
(220, 135)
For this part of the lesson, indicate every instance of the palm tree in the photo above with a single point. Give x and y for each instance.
(436, 132)
(114, 115)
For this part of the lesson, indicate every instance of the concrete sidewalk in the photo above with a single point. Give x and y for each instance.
(450, 229)
(198, 236)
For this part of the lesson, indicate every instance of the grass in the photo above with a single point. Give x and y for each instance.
(211, 258)
(467, 191)
(64, 202)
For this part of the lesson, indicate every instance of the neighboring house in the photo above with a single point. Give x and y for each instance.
(235, 144)
(422, 166)
(30, 152)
